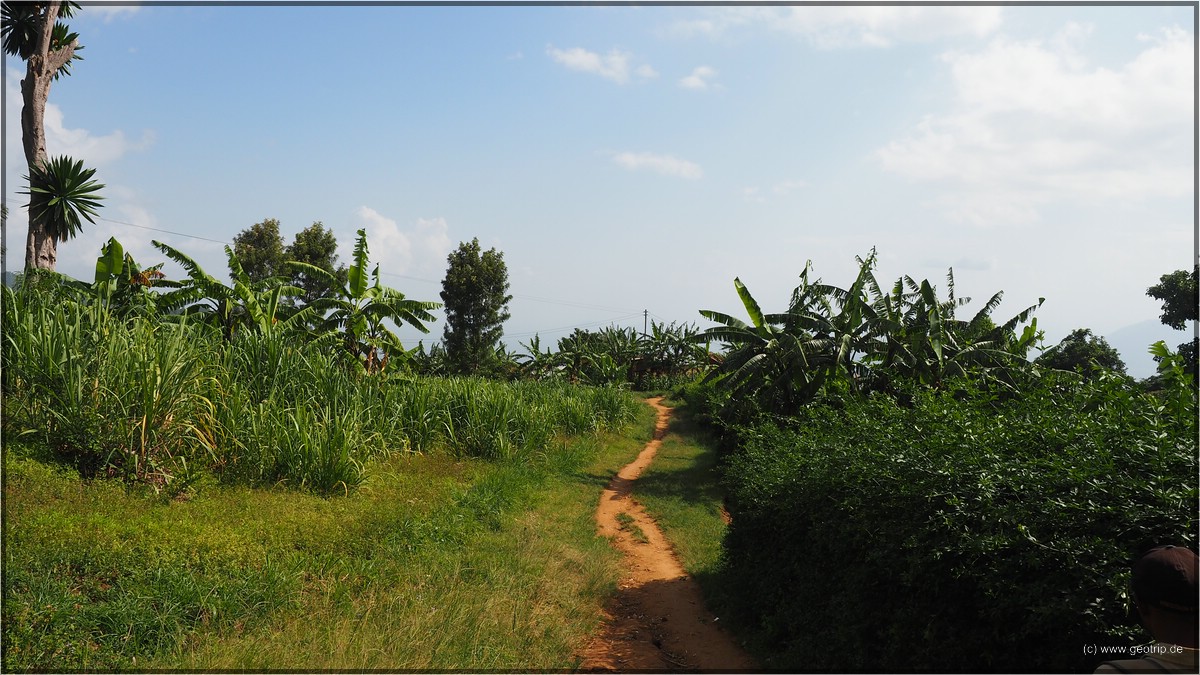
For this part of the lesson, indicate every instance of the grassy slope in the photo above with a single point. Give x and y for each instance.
(432, 564)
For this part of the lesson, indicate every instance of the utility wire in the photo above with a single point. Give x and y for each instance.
(178, 234)
(630, 314)
(568, 303)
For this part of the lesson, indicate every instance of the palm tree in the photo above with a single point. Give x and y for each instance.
(356, 311)
(32, 32)
(61, 191)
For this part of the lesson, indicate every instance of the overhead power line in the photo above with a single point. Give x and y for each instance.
(628, 314)
(408, 276)
(155, 229)
(523, 296)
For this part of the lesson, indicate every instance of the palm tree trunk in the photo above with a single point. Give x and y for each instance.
(41, 250)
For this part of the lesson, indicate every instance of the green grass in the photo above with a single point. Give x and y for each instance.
(628, 524)
(435, 562)
(681, 490)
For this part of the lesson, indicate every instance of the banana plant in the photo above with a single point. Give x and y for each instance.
(244, 304)
(356, 312)
(775, 361)
(668, 351)
(848, 320)
(536, 363)
(847, 339)
(921, 339)
(122, 285)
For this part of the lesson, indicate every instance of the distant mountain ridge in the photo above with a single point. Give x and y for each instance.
(1133, 342)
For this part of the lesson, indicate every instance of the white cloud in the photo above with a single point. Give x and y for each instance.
(719, 22)
(62, 140)
(699, 79)
(1033, 123)
(615, 66)
(646, 72)
(883, 26)
(82, 144)
(663, 164)
(753, 194)
(418, 251)
(831, 27)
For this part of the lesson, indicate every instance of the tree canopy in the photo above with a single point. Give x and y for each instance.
(1083, 352)
(260, 250)
(315, 245)
(1180, 298)
(475, 295)
(263, 255)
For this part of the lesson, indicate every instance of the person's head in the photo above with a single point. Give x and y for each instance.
(1165, 592)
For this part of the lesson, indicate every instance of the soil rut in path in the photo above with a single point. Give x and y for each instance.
(658, 620)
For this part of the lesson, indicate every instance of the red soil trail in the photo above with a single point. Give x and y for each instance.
(657, 621)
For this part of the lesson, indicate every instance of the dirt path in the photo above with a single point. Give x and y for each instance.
(658, 620)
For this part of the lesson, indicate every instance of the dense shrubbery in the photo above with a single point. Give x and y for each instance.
(960, 532)
(910, 493)
(156, 399)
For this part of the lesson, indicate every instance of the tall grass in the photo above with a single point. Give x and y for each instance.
(104, 394)
(157, 400)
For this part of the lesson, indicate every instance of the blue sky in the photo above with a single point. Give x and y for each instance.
(639, 158)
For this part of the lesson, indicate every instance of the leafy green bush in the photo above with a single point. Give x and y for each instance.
(959, 533)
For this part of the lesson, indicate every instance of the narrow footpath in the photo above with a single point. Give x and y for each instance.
(657, 621)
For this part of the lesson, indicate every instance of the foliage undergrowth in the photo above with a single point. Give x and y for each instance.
(959, 531)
